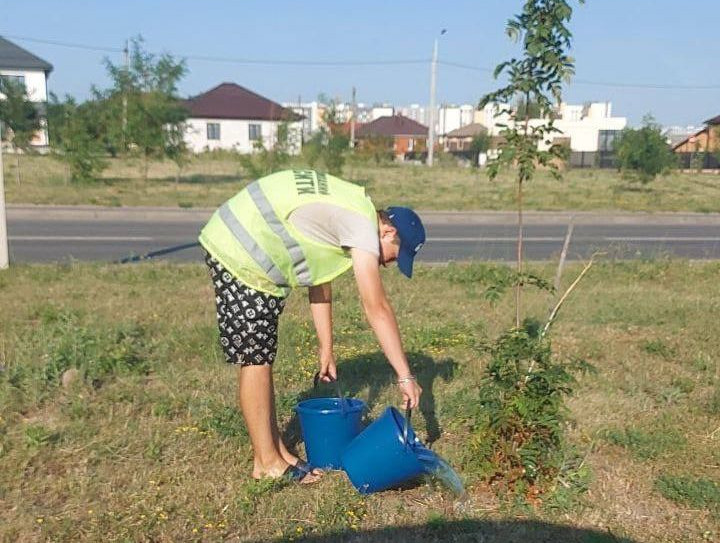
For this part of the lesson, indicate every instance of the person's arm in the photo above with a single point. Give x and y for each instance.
(382, 320)
(320, 297)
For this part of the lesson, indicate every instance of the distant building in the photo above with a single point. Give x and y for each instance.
(461, 138)
(404, 135)
(232, 117)
(706, 139)
(698, 150)
(384, 110)
(22, 66)
(447, 117)
(676, 134)
(313, 116)
(589, 130)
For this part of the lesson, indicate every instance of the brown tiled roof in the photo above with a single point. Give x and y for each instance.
(714, 120)
(231, 101)
(467, 131)
(395, 125)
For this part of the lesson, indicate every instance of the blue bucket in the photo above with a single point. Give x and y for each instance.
(380, 457)
(328, 425)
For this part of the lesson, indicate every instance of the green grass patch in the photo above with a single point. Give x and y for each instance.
(647, 444)
(147, 444)
(209, 180)
(713, 403)
(693, 492)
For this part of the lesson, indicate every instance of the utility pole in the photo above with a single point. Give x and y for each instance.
(4, 261)
(352, 121)
(433, 79)
(126, 58)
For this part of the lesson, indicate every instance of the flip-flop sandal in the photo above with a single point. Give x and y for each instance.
(294, 474)
(303, 466)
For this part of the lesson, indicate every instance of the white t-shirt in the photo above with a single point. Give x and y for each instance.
(335, 225)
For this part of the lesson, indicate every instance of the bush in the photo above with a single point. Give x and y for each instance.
(519, 438)
(263, 162)
(377, 149)
(642, 154)
(75, 138)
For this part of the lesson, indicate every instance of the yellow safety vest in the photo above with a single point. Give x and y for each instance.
(250, 234)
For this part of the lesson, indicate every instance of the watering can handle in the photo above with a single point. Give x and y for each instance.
(408, 413)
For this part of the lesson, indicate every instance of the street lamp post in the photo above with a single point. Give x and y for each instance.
(4, 260)
(433, 82)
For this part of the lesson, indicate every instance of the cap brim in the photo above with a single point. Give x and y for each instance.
(405, 262)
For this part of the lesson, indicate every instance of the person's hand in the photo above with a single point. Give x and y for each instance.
(410, 391)
(328, 367)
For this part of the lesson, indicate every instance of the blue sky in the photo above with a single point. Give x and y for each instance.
(624, 42)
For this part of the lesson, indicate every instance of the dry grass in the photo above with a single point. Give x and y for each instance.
(149, 449)
(208, 181)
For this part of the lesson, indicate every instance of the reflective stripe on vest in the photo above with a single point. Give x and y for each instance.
(297, 256)
(252, 248)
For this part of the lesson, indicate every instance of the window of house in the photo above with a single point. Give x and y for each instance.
(213, 131)
(255, 132)
(15, 78)
(606, 139)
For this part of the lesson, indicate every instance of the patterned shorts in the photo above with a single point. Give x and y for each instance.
(247, 319)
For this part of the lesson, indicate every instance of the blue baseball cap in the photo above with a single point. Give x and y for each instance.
(411, 231)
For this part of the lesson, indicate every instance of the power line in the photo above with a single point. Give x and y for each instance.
(340, 63)
(596, 83)
(233, 60)
(67, 44)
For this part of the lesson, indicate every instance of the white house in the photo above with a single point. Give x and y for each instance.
(22, 66)
(590, 128)
(234, 118)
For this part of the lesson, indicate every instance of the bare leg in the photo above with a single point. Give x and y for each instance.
(256, 398)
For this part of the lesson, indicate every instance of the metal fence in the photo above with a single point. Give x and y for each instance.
(698, 161)
(592, 159)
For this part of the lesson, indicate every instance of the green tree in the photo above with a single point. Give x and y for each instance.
(336, 141)
(479, 144)
(377, 148)
(643, 153)
(530, 109)
(143, 112)
(19, 118)
(329, 144)
(75, 138)
(536, 78)
(521, 413)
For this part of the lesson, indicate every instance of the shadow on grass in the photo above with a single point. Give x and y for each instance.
(481, 531)
(373, 372)
(633, 186)
(195, 179)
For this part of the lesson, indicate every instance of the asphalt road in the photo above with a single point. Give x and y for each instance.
(50, 233)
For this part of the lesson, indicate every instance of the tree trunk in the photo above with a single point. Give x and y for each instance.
(146, 166)
(518, 287)
(17, 166)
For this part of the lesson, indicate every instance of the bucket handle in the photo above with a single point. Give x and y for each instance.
(408, 413)
(338, 389)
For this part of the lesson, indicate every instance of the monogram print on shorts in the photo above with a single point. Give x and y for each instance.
(247, 318)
